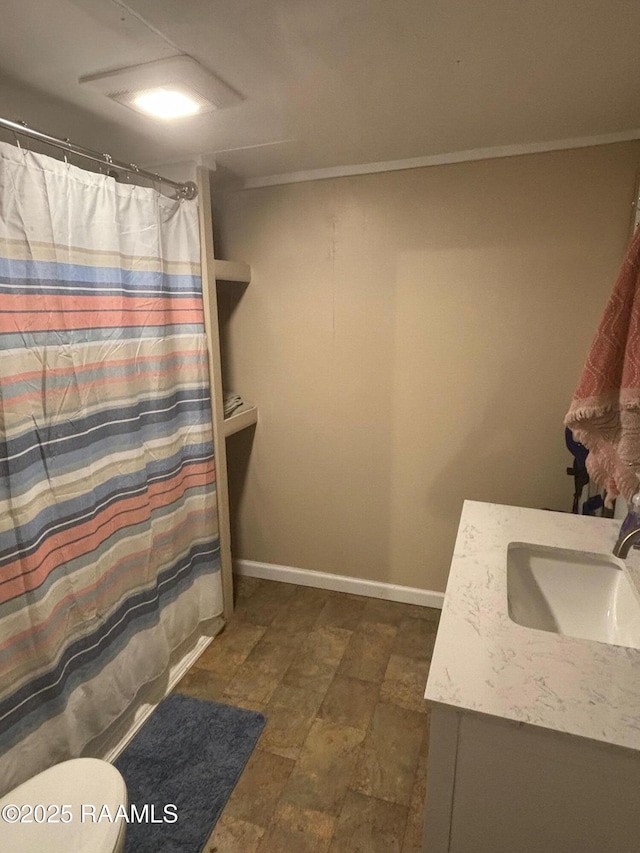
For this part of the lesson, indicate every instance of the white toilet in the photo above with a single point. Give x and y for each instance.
(79, 784)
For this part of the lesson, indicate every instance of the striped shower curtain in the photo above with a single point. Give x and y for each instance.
(108, 521)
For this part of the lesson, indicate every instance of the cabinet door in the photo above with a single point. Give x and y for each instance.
(519, 788)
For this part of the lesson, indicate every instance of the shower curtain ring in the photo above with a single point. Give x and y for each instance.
(25, 146)
(133, 168)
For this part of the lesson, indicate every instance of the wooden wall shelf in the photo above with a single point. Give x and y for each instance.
(232, 271)
(242, 418)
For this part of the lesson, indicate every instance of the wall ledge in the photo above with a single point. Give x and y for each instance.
(339, 583)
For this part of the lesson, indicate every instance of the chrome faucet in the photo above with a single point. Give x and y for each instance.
(625, 541)
(630, 529)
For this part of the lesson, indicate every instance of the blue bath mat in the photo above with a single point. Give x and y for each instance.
(189, 754)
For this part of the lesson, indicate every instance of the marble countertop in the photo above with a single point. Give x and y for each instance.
(485, 662)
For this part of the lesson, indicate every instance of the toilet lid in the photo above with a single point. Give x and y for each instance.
(79, 784)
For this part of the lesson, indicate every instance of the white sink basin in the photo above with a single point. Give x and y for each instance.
(572, 592)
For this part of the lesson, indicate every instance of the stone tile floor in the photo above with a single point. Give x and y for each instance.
(340, 766)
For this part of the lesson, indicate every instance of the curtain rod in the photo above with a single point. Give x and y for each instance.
(187, 190)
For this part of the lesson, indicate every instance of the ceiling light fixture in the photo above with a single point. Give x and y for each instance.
(169, 88)
(166, 103)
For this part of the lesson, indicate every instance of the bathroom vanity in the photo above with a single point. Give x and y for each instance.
(534, 689)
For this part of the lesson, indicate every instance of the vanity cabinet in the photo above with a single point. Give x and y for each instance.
(535, 733)
(495, 786)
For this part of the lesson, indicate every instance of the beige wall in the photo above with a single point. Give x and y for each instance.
(413, 339)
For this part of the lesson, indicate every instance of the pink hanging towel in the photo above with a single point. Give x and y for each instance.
(605, 411)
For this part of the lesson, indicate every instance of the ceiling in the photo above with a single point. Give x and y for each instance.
(329, 83)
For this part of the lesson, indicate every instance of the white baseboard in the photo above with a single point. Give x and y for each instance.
(339, 583)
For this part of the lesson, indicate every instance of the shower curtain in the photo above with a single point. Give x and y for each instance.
(108, 521)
